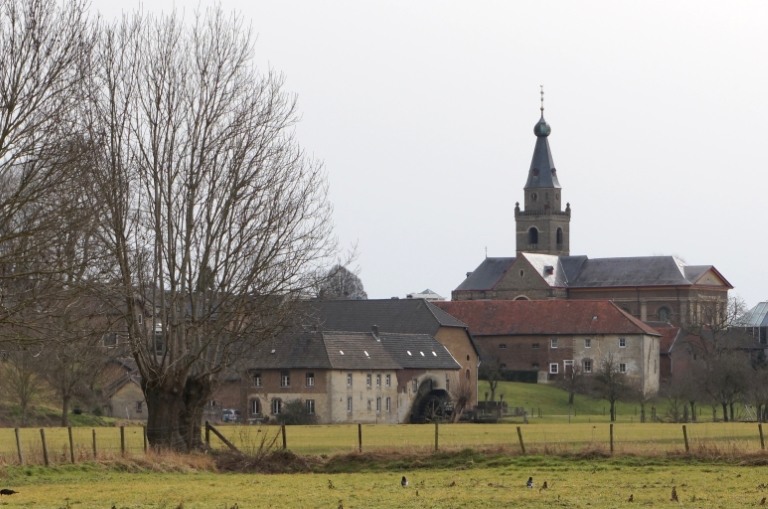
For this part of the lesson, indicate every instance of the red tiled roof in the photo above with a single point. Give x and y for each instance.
(517, 317)
(669, 333)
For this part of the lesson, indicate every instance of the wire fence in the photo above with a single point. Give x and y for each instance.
(53, 446)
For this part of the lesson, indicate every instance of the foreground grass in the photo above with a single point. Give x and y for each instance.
(463, 480)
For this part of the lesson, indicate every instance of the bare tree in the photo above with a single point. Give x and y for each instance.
(213, 217)
(341, 283)
(611, 384)
(19, 375)
(43, 45)
(461, 395)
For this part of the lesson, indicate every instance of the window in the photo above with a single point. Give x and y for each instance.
(378, 405)
(285, 379)
(568, 364)
(503, 346)
(255, 406)
(370, 404)
(388, 403)
(257, 379)
(553, 343)
(587, 366)
(277, 405)
(159, 343)
(109, 340)
(378, 380)
(559, 237)
(310, 406)
(140, 319)
(388, 380)
(533, 236)
(139, 407)
(622, 368)
(664, 314)
(622, 342)
(349, 405)
(535, 346)
(349, 379)
(310, 379)
(368, 380)
(588, 343)
(553, 368)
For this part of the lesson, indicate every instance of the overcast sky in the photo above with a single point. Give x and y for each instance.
(423, 113)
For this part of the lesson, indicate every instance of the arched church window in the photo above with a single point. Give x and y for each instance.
(559, 235)
(534, 196)
(533, 236)
(664, 314)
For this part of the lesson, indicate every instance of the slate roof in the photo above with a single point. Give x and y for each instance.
(545, 317)
(755, 317)
(352, 350)
(409, 316)
(582, 272)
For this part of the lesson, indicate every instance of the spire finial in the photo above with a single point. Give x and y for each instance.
(541, 88)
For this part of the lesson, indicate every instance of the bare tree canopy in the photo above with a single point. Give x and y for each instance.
(212, 216)
(341, 283)
(44, 46)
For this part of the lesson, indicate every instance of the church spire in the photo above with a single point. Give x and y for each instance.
(542, 225)
(542, 173)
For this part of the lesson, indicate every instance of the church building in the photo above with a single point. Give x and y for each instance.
(651, 288)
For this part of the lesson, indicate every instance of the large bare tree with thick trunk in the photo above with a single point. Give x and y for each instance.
(213, 217)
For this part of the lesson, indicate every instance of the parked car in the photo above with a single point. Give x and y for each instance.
(230, 415)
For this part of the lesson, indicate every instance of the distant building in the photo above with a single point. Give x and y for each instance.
(546, 340)
(426, 295)
(661, 288)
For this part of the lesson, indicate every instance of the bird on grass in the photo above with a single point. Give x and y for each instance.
(529, 483)
(631, 498)
(6, 491)
(674, 494)
(404, 482)
(762, 502)
(544, 486)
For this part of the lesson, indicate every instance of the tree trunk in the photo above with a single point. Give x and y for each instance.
(197, 391)
(613, 411)
(65, 411)
(164, 417)
(693, 411)
(725, 411)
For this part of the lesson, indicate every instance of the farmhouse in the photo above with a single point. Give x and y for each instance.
(372, 377)
(548, 339)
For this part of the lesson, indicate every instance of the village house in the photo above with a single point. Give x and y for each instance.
(351, 377)
(545, 340)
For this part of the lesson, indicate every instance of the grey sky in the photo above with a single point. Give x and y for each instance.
(423, 113)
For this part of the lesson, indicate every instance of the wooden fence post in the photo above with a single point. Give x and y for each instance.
(122, 440)
(93, 433)
(520, 439)
(611, 434)
(45, 447)
(18, 446)
(685, 437)
(762, 439)
(144, 436)
(285, 441)
(437, 435)
(71, 445)
(359, 437)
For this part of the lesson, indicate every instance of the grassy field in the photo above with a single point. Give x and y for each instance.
(471, 482)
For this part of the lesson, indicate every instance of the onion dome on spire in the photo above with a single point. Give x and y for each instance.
(542, 173)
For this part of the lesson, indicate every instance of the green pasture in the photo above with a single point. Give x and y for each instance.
(588, 484)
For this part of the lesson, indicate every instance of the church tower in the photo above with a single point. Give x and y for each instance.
(542, 226)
